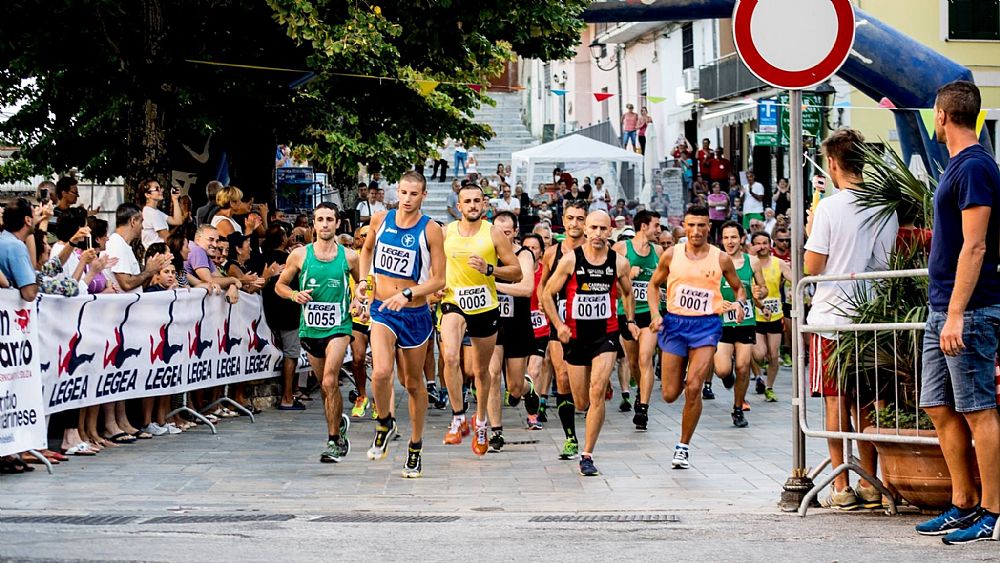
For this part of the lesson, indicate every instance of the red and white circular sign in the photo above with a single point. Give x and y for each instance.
(793, 44)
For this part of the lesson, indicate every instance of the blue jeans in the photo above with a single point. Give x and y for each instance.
(460, 160)
(629, 135)
(966, 382)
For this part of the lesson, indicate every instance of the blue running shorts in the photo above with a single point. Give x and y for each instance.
(411, 325)
(680, 333)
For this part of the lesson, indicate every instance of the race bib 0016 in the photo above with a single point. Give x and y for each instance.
(506, 303)
(639, 290)
(395, 260)
(322, 315)
(473, 298)
(591, 307)
(693, 300)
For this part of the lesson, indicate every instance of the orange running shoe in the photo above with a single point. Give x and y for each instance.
(455, 431)
(609, 393)
(465, 427)
(480, 441)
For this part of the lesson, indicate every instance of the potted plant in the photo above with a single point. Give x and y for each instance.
(886, 365)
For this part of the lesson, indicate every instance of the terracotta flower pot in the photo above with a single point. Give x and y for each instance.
(917, 471)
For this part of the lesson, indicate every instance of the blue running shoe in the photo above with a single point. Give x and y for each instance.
(949, 521)
(587, 467)
(980, 530)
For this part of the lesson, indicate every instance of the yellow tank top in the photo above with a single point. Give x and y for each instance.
(354, 317)
(772, 280)
(471, 291)
(693, 285)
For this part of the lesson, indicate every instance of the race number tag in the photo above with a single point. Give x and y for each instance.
(639, 290)
(395, 260)
(591, 307)
(693, 300)
(730, 316)
(506, 305)
(538, 320)
(473, 298)
(772, 305)
(322, 315)
(561, 306)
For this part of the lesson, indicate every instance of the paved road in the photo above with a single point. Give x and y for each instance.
(723, 508)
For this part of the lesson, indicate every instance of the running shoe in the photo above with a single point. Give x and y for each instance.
(840, 500)
(769, 395)
(868, 497)
(496, 442)
(641, 417)
(587, 467)
(707, 393)
(480, 443)
(625, 405)
(680, 460)
(413, 467)
(533, 422)
(786, 360)
(980, 530)
(739, 420)
(360, 407)
(746, 406)
(729, 381)
(760, 387)
(570, 448)
(609, 393)
(345, 425)
(335, 451)
(380, 445)
(459, 427)
(541, 413)
(948, 521)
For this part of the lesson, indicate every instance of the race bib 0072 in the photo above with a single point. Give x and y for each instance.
(395, 260)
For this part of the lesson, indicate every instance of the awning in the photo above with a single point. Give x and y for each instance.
(723, 115)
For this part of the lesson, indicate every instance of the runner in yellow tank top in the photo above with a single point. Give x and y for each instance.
(690, 331)
(769, 325)
(473, 247)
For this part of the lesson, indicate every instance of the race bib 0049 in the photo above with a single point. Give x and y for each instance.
(322, 315)
(693, 300)
(473, 298)
(538, 320)
(591, 307)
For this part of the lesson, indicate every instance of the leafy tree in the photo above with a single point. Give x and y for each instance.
(108, 85)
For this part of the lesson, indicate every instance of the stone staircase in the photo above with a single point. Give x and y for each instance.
(511, 136)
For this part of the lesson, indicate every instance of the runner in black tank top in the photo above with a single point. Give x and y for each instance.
(594, 276)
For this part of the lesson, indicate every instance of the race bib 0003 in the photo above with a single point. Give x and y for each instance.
(473, 298)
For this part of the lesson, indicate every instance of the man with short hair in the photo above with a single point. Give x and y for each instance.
(505, 202)
(128, 275)
(753, 203)
(200, 268)
(845, 237)
(719, 167)
(704, 158)
(67, 194)
(770, 313)
(452, 201)
(958, 378)
(203, 215)
(370, 206)
(17, 242)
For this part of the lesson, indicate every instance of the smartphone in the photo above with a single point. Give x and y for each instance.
(175, 190)
(88, 244)
(43, 195)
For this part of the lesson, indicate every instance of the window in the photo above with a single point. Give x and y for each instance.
(687, 46)
(974, 20)
(642, 88)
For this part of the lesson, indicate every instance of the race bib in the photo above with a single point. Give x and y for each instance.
(506, 303)
(473, 298)
(538, 320)
(591, 307)
(639, 290)
(322, 315)
(395, 260)
(730, 316)
(693, 300)
(772, 305)
(561, 306)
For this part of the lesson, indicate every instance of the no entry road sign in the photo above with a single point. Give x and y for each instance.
(793, 44)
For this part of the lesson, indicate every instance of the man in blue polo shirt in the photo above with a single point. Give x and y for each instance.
(960, 340)
(15, 258)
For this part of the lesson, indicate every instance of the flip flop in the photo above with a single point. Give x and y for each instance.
(296, 406)
(121, 438)
(143, 435)
(54, 456)
(30, 458)
(80, 449)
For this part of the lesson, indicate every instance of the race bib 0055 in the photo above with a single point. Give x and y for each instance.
(322, 315)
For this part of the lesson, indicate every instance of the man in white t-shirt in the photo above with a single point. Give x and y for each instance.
(506, 203)
(369, 207)
(127, 274)
(752, 195)
(844, 238)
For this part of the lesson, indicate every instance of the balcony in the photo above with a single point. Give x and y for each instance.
(726, 78)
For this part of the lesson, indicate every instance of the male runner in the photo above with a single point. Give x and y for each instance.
(769, 314)
(539, 370)
(404, 250)
(574, 217)
(692, 273)
(593, 277)
(642, 255)
(738, 338)
(473, 248)
(361, 328)
(324, 268)
(513, 344)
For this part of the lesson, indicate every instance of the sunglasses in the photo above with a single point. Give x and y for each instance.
(782, 240)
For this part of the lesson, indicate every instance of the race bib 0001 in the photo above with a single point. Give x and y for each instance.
(693, 300)
(322, 315)
(506, 303)
(473, 298)
(591, 307)
(395, 260)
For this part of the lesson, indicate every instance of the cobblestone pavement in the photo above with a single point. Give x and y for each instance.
(725, 505)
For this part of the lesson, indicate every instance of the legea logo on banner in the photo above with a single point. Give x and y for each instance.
(22, 420)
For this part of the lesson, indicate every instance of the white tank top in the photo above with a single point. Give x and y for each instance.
(220, 218)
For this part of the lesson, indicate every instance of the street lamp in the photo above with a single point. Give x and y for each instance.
(599, 51)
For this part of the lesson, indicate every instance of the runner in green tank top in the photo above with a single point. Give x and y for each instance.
(738, 339)
(323, 268)
(643, 256)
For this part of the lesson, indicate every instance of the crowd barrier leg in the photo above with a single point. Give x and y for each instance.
(819, 468)
(225, 400)
(851, 464)
(185, 409)
(38, 455)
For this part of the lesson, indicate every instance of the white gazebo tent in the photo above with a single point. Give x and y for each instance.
(570, 149)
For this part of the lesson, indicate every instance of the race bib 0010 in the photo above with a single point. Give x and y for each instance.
(591, 307)
(473, 298)
(322, 315)
(693, 300)
(506, 303)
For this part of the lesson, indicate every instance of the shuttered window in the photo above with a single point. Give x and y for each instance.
(974, 19)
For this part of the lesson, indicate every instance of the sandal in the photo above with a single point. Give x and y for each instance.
(80, 449)
(142, 435)
(20, 464)
(7, 466)
(300, 396)
(54, 456)
(28, 457)
(121, 438)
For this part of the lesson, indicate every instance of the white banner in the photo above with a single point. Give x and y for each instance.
(22, 417)
(101, 348)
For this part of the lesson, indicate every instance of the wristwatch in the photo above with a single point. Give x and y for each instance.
(489, 269)
(630, 321)
(408, 294)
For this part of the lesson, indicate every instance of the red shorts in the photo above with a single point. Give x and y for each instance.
(822, 377)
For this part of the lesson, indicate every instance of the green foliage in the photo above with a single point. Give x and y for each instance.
(890, 416)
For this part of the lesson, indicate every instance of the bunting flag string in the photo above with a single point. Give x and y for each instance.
(601, 96)
(558, 92)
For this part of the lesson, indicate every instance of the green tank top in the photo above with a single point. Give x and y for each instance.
(647, 265)
(328, 312)
(745, 273)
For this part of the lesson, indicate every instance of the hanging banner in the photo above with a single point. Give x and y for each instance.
(22, 417)
(101, 348)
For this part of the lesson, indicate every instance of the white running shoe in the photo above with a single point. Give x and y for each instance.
(680, 460)
(172, 428)
(155, 429)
